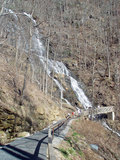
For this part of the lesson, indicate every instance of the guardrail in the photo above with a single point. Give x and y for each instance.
(51, 132)
(57, 125)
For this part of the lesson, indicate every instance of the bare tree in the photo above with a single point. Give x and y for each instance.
(48, 41)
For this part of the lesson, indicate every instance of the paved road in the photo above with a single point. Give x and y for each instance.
(29, 148)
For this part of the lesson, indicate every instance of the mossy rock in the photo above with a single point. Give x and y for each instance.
(23, 134)
(18, 121)
(3, 116)
(11, 121)
(3, 138)
(18, 128)
(8, 135)
(7, 125)
(11, 117)
(2, 98)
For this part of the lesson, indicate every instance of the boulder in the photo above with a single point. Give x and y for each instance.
(41, 110)
(3, 137)
(23, 134)
(94, 147)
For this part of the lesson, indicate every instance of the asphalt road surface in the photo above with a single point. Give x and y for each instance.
(28, 148)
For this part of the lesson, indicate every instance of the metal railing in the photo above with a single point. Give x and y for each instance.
(57, 125)
(51, 132)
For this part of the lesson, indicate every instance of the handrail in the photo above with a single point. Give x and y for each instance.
(51, 132)
(58, 124)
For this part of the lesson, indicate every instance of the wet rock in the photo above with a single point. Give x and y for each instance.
(58, 76)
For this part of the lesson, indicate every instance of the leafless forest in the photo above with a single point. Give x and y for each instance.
(84, 35)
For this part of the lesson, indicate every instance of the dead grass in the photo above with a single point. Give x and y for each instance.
(97, 134)
(83, 133)
(36, 106)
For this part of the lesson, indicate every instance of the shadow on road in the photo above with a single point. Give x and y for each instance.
(24, 155)
(30, 148)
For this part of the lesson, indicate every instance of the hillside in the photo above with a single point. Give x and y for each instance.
(85, 36)
(84, 143)
(21, 109)
(55, 55)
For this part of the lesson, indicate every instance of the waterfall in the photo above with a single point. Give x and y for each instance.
(52, 65)
(80, 94)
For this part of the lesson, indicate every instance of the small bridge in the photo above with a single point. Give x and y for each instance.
(101, 110)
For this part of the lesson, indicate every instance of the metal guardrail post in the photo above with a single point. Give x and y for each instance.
(51, 135)
(50, 147)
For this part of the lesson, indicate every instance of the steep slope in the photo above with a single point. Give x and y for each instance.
(29, 111)
(82, 34)
(85, 36)
(88, 140)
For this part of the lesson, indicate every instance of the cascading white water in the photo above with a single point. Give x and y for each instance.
(56, 66)
(60, 68)
(106, 126)
(80, 94)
